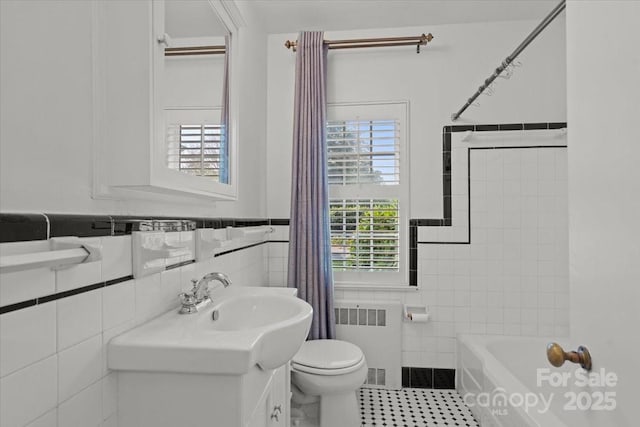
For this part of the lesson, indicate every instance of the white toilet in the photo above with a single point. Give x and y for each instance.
(332, 370)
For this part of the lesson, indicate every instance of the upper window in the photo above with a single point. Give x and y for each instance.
(368, 193)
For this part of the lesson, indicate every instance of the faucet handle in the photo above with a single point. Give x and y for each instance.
(188, 303)
(194, 282)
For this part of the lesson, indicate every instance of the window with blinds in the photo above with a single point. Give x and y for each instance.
(365, 235)
(364, 159)
(196, 149)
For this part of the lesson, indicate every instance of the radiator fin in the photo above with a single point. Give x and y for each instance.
(360, 317)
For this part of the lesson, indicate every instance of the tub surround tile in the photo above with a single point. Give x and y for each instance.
(27, 394)
(21, 227)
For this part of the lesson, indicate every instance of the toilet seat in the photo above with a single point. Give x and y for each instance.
(327, 372)
(328, 357)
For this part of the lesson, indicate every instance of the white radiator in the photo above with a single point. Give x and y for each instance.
(375, 327)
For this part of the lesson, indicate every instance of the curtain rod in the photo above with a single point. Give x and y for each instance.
(375, 42)
(195, 50)
(509, 59)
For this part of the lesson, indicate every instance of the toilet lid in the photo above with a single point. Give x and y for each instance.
(328, 354)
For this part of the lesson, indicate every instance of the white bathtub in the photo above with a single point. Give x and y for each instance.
(498, 378)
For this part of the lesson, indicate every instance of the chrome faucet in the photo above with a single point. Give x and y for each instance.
(199, 294)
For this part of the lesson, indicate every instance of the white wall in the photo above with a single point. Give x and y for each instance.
(604, 187)
(436, 83)
(47, 112)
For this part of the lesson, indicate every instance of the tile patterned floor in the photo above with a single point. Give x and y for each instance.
(413, 407)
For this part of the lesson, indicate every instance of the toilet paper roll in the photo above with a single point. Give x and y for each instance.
(419, 317)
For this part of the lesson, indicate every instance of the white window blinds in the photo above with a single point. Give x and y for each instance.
(363, 152)
(195, 149)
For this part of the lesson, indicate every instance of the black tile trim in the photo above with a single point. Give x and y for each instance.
(79, 225)
(64, 294)
(446, 219)
(469, 150)
(277, 241)
(179, 264)
(118, 280)
(239, 249)
(18, 306)
(22, 227)
(430, 378)
(413, 255)
(71, 292)
(279, 221)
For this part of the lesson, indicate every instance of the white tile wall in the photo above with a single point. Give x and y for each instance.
(53, 356)
(27, 336)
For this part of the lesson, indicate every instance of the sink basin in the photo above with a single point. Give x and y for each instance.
(253, 326)
(253, 311)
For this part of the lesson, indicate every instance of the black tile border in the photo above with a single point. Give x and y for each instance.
(446, 160)
(64, 294)
(79, 225)
(430, 378)
(22, 227)
(241, 249)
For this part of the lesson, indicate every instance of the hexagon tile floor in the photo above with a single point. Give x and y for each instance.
(413, 407)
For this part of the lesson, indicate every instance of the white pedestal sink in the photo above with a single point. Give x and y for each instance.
(191, 370)
(255, 325)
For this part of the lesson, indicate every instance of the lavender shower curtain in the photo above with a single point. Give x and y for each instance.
(309, 238)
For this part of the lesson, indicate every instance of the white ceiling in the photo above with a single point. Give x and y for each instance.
(284, 16)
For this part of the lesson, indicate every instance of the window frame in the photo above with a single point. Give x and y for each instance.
(385, 110)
